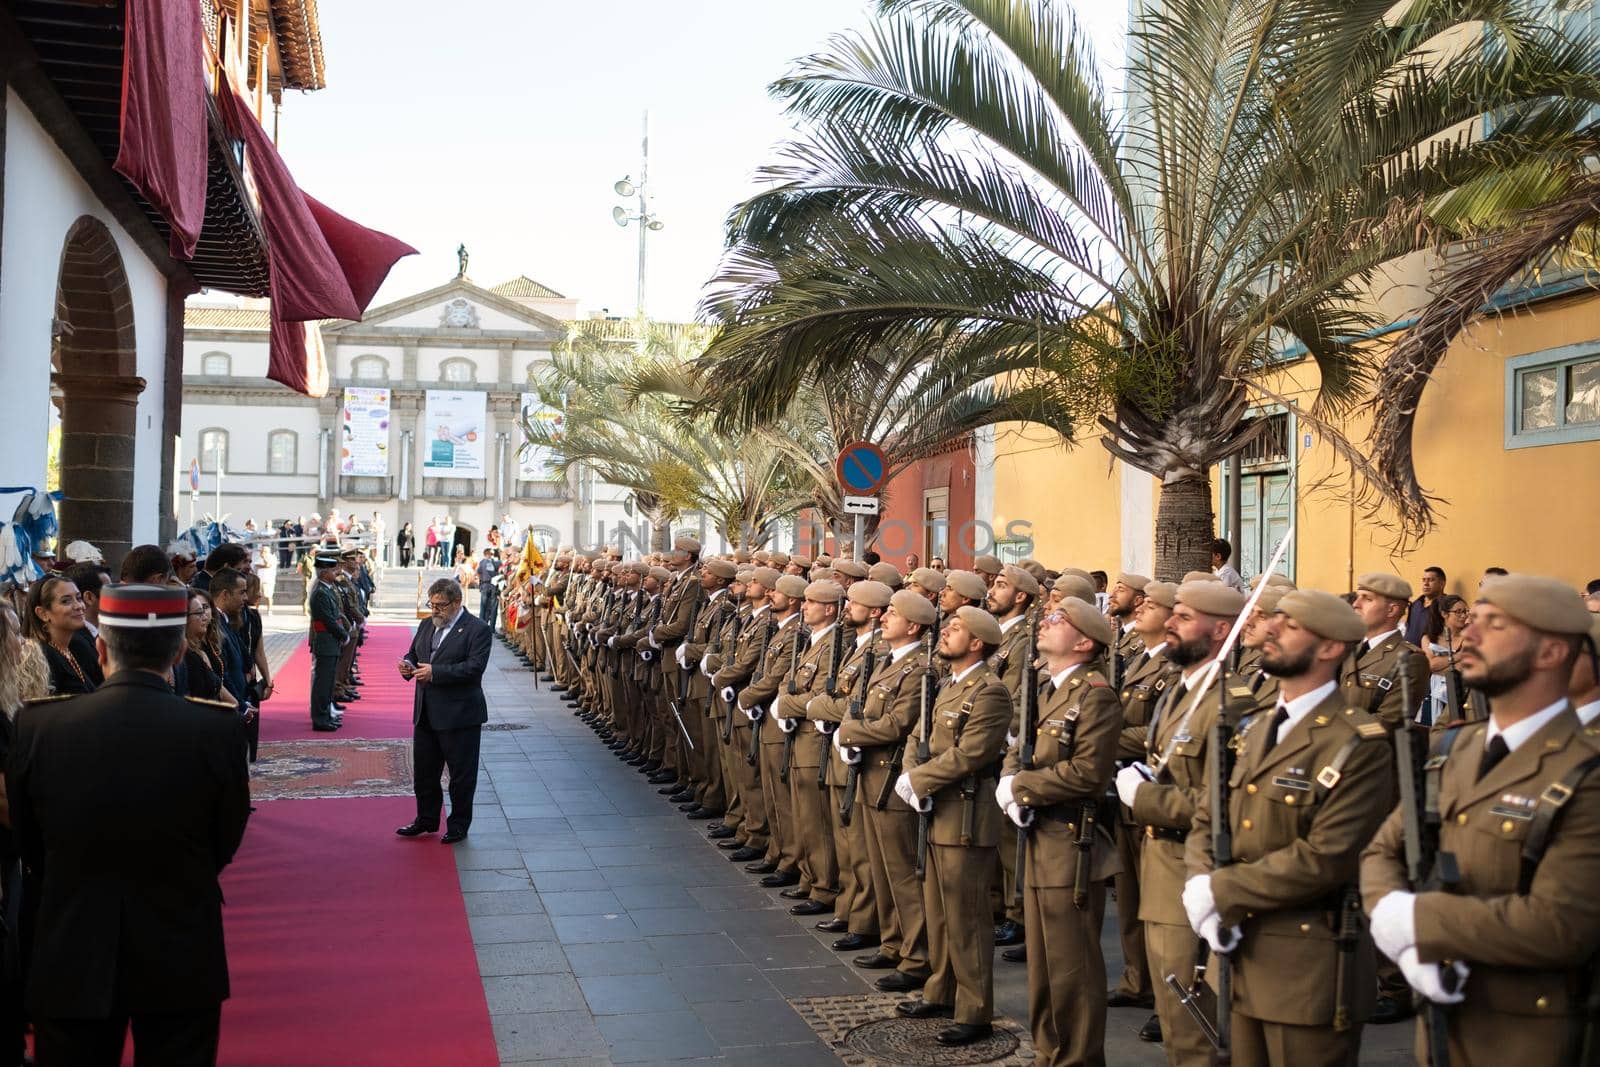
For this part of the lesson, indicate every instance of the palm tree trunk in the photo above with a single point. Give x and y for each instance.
(1184, 528)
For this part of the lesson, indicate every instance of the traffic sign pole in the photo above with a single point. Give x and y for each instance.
(861, 534)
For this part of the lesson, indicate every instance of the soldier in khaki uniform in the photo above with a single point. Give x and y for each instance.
(956, 781)
(1176, 744)
(1145, 677)
(1310, 784)
(877, 741)
(739, 667)
(846, 571)
(1013, 594)
(678, 612)
(962, 589)
(716, 577)
(1078, 721)
(1252, 637)
(756, 700)
(1518, 933)
(1122, 605)
(1372, 677)
(855, 909)
(816, 673)
(927, 581)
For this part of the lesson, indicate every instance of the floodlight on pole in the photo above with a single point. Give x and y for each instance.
(647, 222)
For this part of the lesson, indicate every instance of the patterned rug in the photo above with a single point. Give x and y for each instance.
(315, 768)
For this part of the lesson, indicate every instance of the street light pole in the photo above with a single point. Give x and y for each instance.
(644, 218)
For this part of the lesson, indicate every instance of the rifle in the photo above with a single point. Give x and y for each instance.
(753, 756)
(720, 625)
(852, 776)
(835, 655)
(1426, 867)
(801, 634)
(683, 675)
(1030, 740)
(930, 684)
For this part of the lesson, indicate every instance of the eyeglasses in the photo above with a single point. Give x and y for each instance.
(199, 613)
(440, 605)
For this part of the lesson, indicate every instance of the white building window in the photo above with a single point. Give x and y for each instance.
(216, 365)
(213, 449)
(370, 369)
(1553, 397)
(457, 370)
(283, 448)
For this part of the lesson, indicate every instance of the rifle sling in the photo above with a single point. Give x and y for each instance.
(1550, 806)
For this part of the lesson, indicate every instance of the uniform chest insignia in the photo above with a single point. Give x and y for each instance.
(1240, 692)
(1298, 771)
(1519, 801)
(1371, 730)
(1321, 720)
(1370, 681)
(1183, 737)
(1501, 811)
(1300, 784)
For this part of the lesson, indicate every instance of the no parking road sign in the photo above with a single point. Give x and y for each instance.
(861, 468)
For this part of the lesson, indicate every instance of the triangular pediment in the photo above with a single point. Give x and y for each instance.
(460, 306)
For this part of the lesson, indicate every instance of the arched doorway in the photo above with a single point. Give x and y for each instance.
(96, 390)
(464, 538)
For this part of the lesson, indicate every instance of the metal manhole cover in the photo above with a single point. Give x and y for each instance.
(910, 1042)
(505, 726)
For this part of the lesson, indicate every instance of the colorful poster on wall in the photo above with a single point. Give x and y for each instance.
(364, 445)
(457, 428)
(537, 463)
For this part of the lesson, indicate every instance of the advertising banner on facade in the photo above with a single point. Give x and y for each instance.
(536, 463)
(364, 441)
(456, 429)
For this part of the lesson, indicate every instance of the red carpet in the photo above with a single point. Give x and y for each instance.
(348, 945)
(384, 709)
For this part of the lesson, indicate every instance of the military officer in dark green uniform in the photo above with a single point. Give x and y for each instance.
(328, 635)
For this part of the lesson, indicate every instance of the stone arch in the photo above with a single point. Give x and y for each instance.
(94, 363)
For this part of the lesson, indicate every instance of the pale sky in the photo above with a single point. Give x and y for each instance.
(504, 123)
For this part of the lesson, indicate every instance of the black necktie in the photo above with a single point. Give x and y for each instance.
(1493, 753)
(1279, 717)
(1361, 649)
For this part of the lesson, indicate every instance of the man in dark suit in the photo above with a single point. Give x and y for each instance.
(126, 803)
(328, 637)
(447, 659)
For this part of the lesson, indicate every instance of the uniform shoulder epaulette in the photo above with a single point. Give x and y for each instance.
(208, 702)
(51, 699)
(1240, 691)
(1363, 723)
(1096, 680)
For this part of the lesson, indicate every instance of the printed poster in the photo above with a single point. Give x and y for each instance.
(536, 463)
(456, 425)
(364, 448)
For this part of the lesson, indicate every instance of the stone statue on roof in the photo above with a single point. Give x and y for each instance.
(461, 261)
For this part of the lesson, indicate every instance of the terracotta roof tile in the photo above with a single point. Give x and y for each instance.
(526, 286)
(214, 318)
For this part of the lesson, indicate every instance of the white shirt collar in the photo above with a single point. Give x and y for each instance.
(863, 637)
(716, 593)
(898, 654)
(785, 620)
(761, 608)
(1301, 706)
(1588, 712)
(1127, 627)
(1059, 680)
(1153, 650)
(1005, 627)
(969, 670)
(818, 635)
(1516, 734)
(1374, 642)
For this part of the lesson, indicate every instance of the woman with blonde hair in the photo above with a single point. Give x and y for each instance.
(23, 674)
(57, 620)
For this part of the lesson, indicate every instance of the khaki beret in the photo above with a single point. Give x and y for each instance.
(1267, 602)
(824, 560)
(1079, 572)
(766, 577)
(722, 568)
(801, 561)
(824, 592)
(1211, 598)
(823, 574)
(1164, 594)
(1323, 614)
(1272, 578)
(885, 573)
(988, 565)
(1544, 604)
(1071, 587)
(850, 568)
(1199, 576)
(685, 544)
(778, 559)
(791, 585)
(661, 574)
(1039, 571)
(1087, 621)
(930, 580)
(1021, 579)
(745, 574)
(913, 607)
(872, 594)
(601, 566)
(741, 555)
(968, 584)
(1390, 585)
(1136, 582)
(980, 624)
(762, 556)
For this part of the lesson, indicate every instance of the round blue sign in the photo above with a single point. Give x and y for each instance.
(861, 467)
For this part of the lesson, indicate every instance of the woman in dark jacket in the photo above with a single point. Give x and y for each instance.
(405, 542)
(56, 620)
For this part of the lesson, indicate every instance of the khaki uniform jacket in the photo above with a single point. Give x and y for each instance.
(888, 715)
(714, 615)
(729, 626)
(1144, 681)
(1166, 807)
(777, 656)
(1063, 778)
(1521, 948)
(678, 612)
(1128, 648)
(810, 679)
(1009, 664)
(1373, 682)
(1296, 847)
(740, 664)
(833, 707)
(970, 720)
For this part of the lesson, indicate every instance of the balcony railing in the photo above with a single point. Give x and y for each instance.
(366, 486)
(553, 492)
(453, 488)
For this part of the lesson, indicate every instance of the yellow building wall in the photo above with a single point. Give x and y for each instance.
(1529, 509)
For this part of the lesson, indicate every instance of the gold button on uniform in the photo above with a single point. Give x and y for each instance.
(1542, 1003)
(1289, 799)
(1247, 824)
(1251, 789)
(1305, 928)
(1507, 826)
(1461, 820)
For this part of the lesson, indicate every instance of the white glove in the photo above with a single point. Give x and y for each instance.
(788, 725)
(1128, 782)
(903, 790)
(1201, 907)
(611, 642)
(823, 726)
(704, 660)
(682, 657)
(728, 695)
(849, 753)
(1221, 941)
(646, 655)
(1023, 817)
(1002, 792)
(1428, 979)
(754, 714)
(1011, 739)
(1394, 923)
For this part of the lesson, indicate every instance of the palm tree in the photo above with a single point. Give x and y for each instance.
(961, 164)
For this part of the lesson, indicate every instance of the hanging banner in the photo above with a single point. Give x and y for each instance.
(456, 428)
(364, 444)
(536, 463)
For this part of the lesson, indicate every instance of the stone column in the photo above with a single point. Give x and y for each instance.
(99, 415)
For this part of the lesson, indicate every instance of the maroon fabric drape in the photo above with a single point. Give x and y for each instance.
(164, 137)
(295, 356)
